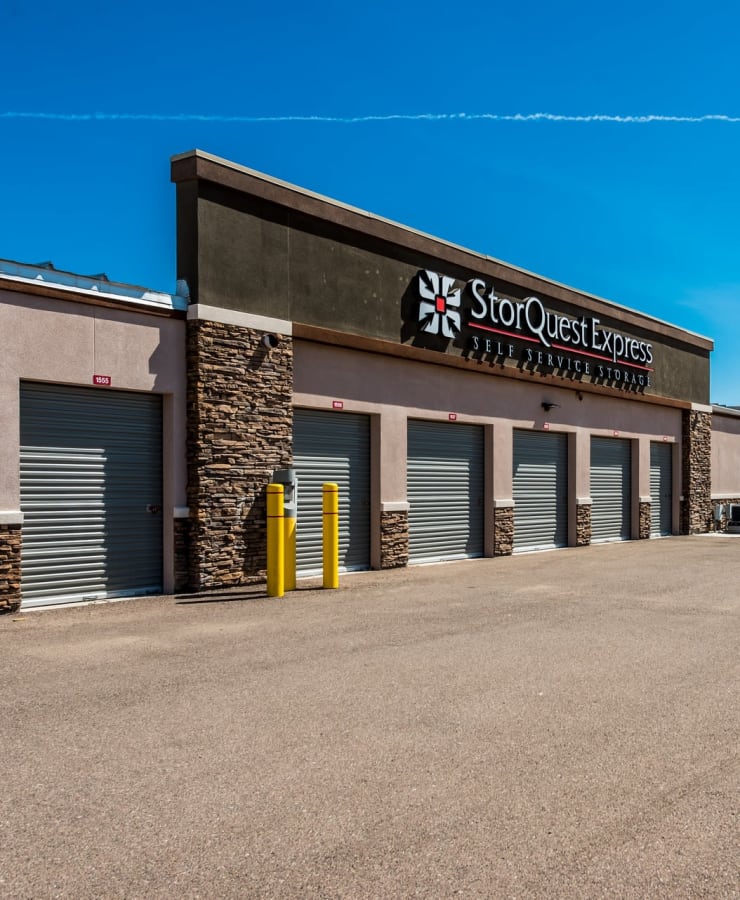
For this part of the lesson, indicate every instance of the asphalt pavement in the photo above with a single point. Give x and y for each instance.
(556, 724)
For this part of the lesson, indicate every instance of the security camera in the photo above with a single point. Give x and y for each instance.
(270, 341)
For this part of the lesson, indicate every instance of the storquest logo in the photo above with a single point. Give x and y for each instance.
(439, 309)
(522, 332)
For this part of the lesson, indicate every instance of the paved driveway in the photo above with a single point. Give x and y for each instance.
(551, 725)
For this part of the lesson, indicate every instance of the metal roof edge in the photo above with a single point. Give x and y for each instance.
(720, 410)
(25, 273)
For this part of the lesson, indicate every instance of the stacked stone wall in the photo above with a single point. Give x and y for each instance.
(503, 531)
(644, 525)
(583, 524)
(696, 471)
(240, 426)
(181, 554)
(10, 567)
(394, 540)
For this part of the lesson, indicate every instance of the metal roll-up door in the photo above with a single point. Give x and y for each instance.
(611, 489)
(540, 487)
(661, 489)
(332, 447)
(91, 493)
(445, 491)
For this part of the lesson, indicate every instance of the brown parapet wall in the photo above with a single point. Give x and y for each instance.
(196, 165)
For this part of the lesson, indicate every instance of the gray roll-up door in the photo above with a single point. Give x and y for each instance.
(661, 489)
(332, 447)
(540, 487)
(91, 493)
(611, 489)
(445, 491)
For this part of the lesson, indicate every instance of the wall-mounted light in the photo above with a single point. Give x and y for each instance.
(547, 406)
(270, 341)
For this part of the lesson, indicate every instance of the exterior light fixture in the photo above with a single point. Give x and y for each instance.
(547, 406)
(270, 341)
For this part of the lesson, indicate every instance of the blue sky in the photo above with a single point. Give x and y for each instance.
(645, 214)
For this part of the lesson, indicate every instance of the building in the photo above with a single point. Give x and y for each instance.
(92, 413)
(466, 408)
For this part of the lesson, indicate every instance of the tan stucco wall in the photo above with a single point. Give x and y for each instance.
(394, 389)
(725, 456)
(58, 341)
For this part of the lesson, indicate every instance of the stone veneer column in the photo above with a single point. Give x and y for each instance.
(394, 539)
(240, 429)
(10, 568)
(182, 553)
(583, 524)
(644, 525)
(503, 529)
(696, 472)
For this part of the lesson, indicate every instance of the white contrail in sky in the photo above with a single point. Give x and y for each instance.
(351, 120)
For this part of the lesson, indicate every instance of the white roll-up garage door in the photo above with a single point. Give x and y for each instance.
(91, 493)
(445, 491)
(661, 489)
(540, 487)
(332, 447)
(611, 489)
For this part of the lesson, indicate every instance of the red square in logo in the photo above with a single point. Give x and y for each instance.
(440, 304)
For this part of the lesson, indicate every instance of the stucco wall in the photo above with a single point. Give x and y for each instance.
(63, 342)
(725, 455)
(394, 389)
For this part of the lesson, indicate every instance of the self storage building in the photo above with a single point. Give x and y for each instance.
(465, 407)
(92, 426)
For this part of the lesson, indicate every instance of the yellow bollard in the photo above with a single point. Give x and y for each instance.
(290, 565)
(275, 541)
(330, 509)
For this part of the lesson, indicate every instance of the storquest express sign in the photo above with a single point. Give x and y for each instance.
(473, 317)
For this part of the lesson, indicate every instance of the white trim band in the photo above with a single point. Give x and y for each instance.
(394, 506)
(241, 319)
(646, 499)
(503, 504)
(180, 512)
(11, 517)
(583, 501)
(735, 496)
(700, 407)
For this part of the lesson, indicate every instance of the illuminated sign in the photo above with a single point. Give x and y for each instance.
(476, 317)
